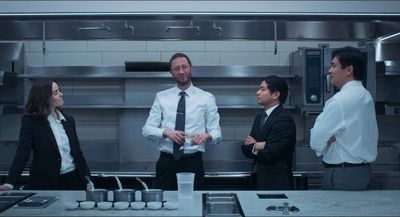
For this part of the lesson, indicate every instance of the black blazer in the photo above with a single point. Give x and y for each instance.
(273, 164)
(36, 135)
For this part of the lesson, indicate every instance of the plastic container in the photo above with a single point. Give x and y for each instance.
(185, 184)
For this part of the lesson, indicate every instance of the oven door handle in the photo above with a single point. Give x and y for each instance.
(328, 86)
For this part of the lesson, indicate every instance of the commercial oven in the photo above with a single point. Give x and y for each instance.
(312, 65)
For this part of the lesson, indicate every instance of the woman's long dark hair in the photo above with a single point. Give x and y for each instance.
(40, 98)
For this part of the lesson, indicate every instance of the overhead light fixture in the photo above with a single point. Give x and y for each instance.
(386, 37)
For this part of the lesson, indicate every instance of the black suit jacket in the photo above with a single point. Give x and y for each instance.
(36, 135)
(273, 164)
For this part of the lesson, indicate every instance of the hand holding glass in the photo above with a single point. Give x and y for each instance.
(188, 142)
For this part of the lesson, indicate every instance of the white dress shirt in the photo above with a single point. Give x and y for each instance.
(201, 117)
(349, 116)
(67, 161)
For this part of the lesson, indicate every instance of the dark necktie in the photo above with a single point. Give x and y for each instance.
(263, 120)
(180, 123)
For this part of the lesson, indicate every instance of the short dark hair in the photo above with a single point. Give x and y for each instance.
(351, 56)
(39, 100)
(275, 83)
(178, 55)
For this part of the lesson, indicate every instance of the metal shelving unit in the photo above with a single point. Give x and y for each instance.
(220, 77)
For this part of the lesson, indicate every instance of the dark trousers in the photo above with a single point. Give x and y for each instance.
(347, 178)
(167, 167)
(71, 181)
(273, 179)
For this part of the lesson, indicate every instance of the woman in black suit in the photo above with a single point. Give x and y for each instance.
(58, 162)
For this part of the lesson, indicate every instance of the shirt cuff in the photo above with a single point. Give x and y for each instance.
(215, 138)
(254, 151)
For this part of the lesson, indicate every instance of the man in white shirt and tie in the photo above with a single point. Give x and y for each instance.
(183, 112)
(346, 132)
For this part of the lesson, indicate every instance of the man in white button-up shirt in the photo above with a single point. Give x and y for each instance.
(346, 132)
(201, 126)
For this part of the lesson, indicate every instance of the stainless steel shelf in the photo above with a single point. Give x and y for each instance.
(291, 107)
(142, 102)
(118, 72)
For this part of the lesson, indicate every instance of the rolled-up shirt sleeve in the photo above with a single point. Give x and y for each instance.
(152, 129)
(327, 124)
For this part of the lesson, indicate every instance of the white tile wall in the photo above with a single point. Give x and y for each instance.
(63, 46)
(249, 58)
(175, 45)
(235, 46)
(197, 58)
(207, 53)
(34, 46)
(119, 58)
(73, 59)
(116, 46)
(34, 59)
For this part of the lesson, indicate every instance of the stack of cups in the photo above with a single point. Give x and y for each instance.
(185, 184)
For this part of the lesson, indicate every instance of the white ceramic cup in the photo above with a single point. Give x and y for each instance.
(87, 204)
(121, 205)
(154, 205)
(138, 205)
(104, 205)
(70, 205)
(171, 205)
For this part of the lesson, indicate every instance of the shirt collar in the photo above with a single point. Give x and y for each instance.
(352, 83)
(189, 91)
(270, 110)
(60, 115)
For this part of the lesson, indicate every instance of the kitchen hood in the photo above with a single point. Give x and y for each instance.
(11, 63)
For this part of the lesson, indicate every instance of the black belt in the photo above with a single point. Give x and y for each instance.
(183, 157)
(344, 165)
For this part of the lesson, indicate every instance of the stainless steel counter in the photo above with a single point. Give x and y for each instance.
(310, 203)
